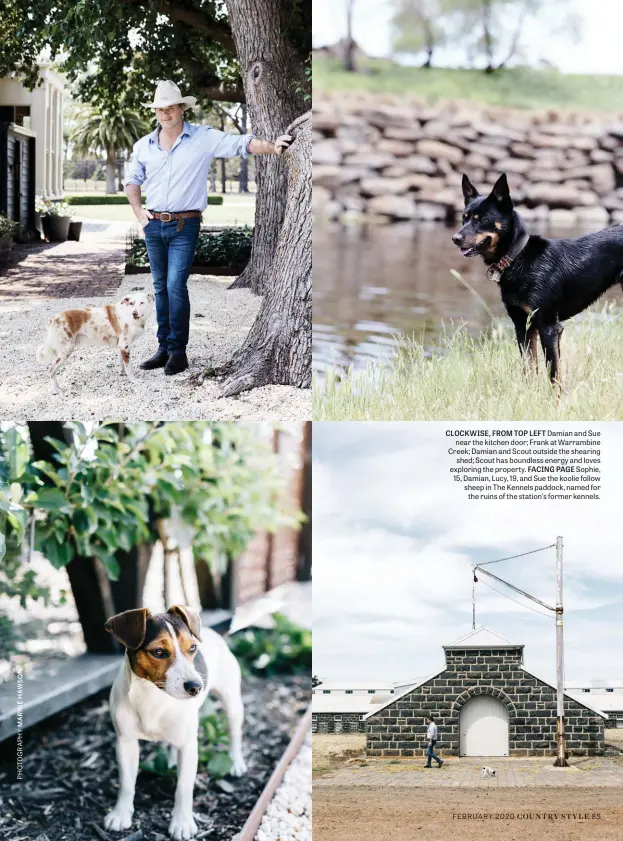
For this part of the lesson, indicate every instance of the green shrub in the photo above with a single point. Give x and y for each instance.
(8, 228)
(228, 248)
(286, 648)
(118, 198)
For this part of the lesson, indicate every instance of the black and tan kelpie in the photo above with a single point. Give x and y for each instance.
(542, 281)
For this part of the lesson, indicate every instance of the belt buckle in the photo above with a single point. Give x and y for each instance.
(167, 214)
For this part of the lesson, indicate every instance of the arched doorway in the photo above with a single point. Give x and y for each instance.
(483, 727)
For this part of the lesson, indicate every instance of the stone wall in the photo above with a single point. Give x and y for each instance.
(400, 728)
(403, 161)
(325, 723)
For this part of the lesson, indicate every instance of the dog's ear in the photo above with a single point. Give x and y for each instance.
(469, 191)
(129, 627)
(189, 617)
(127, 301)
(501, 192)
(151, 297)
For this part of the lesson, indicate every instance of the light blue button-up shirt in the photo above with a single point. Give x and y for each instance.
(177, 180)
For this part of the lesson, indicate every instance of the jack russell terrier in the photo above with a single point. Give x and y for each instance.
(171, 664)
(115, 325)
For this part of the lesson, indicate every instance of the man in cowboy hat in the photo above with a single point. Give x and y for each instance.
(173, 162)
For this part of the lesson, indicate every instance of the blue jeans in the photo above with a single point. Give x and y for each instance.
(429, 753)
(171, 255)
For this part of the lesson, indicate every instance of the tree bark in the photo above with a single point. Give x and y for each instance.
(274, 83)
(243, 178)
(278, 346)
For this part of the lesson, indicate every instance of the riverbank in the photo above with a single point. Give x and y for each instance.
(513, 87)
(468, 378)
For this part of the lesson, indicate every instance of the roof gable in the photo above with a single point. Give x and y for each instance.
(482, 637)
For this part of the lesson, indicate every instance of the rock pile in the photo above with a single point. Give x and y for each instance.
(405, 161)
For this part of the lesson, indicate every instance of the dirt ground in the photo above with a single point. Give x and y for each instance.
(330, 751)
(400, 814)
(388, 813)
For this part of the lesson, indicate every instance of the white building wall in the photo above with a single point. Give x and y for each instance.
(46, 120)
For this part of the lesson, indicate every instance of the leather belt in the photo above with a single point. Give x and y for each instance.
(165, 216)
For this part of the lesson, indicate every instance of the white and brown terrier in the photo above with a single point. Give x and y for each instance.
(171, 664)
(114, 325)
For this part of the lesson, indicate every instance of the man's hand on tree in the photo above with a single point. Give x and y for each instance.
(282, 143)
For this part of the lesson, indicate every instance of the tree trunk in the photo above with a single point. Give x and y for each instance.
(349, 44)
(243, 178)
(304, 565)
(274, 84)
(278, 346)
(111, 180)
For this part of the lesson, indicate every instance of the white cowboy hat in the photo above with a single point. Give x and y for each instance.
(168, 93)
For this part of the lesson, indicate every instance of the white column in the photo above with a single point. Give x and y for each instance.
(59, 95)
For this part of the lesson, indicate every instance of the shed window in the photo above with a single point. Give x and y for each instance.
(586, 690)
(349, 691)
(609, 690)
(337, 718)
(371, 691)
(314, 717)
(326, 691)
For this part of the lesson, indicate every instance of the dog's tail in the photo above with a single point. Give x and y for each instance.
(43, 355)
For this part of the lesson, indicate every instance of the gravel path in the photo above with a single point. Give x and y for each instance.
(289, 814)
(93, 388)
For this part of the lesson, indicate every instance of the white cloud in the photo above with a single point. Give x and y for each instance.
(394, 538)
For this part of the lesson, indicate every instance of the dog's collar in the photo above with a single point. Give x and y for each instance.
(496, 271)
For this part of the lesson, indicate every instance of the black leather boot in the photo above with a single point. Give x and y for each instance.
(177, 363)
(158, 360)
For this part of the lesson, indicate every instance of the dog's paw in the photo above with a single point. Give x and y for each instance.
(182, 826)
(120, 818)
(239, 766)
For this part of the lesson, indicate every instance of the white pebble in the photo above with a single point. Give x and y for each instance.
(289, 814)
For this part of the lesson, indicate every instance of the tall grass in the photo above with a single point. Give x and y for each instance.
(514, 87)
(482, 378)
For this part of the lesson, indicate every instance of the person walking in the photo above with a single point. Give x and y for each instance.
(431, 739)
(173, 163)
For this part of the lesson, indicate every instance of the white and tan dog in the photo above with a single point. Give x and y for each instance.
(488, 772)
(171, 664)
(114, 325)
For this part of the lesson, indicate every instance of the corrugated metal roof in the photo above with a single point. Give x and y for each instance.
(595, 683)
(605, 702)
(342, 685)
(339, 703)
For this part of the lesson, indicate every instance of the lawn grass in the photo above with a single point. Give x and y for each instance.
(482, 378)
(237, 209)
(517, 87)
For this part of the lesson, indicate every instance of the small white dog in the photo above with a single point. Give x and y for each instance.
(171, 664)
(488, 772)
(114, 325)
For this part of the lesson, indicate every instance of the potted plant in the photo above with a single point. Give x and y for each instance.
(56, 221)
(8, 229)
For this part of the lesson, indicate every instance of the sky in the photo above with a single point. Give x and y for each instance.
(394, 540)
(598, 51)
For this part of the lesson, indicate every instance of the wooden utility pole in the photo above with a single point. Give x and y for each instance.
(561, 745)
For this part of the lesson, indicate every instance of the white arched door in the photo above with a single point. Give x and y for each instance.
(483, 726)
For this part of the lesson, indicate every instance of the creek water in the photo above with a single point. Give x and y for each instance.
(373, 283)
